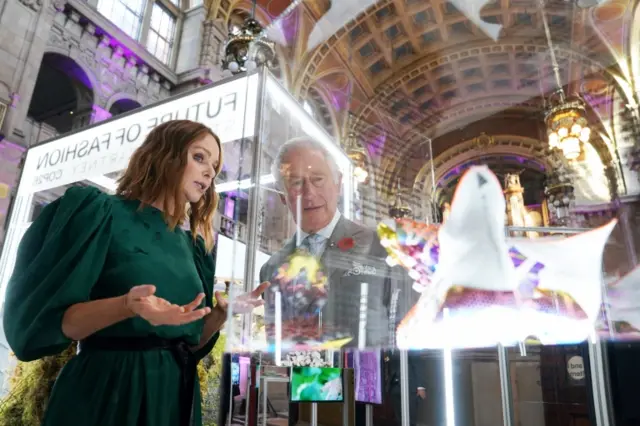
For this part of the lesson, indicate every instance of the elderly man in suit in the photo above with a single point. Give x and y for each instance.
(351, 254)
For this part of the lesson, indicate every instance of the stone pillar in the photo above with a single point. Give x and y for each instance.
(26, 27)
(628, 233)
(82, 118)
(10, 159)
(89, 116)
(514, 197)
(191, 40)
(213, 38)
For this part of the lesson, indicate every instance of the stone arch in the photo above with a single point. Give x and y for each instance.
(605, 151)
(64, 94)
(326, 106)
(122, 96)
(246, 7)
(407, 141)
(529, 148)
(91, 80)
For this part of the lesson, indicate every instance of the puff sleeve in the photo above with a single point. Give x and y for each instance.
(59, 260)
(205, 264)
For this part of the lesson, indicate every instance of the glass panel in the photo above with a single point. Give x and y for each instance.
(127, 15)
(465, 179)
(162, 31)
(136, 6)
(156, 16)
(152, 42)
(551, 385)
(519, 231)
(162, 51)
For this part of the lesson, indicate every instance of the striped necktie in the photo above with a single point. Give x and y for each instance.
(314, 243)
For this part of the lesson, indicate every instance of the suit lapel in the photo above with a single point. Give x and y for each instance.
(337, 261)
(331, 251)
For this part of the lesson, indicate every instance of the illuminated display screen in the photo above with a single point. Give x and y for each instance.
(313, 384)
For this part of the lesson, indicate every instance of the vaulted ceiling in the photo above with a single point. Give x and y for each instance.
(410, 71)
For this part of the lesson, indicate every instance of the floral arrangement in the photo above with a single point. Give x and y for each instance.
(304, 359)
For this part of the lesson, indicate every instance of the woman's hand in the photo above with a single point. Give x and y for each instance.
(157, 311)
(242, 304)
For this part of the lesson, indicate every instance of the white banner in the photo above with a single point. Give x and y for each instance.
(107, 147)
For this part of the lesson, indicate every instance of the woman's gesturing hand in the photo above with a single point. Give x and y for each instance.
(243, 303)
(157, 311)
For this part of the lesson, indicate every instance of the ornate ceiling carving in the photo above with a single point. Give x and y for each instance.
(419, 70)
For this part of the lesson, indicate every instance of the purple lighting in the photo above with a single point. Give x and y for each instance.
(289, 27)
(69, 67)
(376, 146)
(228, 207)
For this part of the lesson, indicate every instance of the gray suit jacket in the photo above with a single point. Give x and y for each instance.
(347, 270)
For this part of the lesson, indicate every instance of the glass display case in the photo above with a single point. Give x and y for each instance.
(286, 180)
(96, 155)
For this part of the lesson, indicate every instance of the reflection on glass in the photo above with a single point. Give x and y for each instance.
(437, 88)
(550, 385)
(313, 384)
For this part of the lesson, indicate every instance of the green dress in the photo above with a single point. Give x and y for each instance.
(88, 245)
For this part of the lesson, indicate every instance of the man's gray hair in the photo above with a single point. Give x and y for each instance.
(303, 142)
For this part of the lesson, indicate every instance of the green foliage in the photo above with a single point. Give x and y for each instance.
(31, 385)
(209, 374)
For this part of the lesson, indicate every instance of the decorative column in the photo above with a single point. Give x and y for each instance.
(27, 66)
(514, 197)
(560, 197)
(213, 39)
(632, 116)
(10, 158)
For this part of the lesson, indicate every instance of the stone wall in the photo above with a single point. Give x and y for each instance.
(10, 156)
(116, 68)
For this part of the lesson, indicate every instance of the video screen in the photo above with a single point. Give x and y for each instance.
(235, 372)
(367, 366)
(313, 384)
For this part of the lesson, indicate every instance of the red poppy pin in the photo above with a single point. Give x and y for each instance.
(346, 244)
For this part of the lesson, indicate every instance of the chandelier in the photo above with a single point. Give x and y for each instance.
(247, 49)
(399, 210)
(567, 128)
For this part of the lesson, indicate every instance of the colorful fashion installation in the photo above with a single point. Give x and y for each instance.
(480, 288)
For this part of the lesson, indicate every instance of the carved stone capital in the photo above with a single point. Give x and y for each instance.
(213, 39)
(57, 4)
(32, 4)
(14, 98)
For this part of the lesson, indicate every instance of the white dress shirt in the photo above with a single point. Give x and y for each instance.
(325, 232)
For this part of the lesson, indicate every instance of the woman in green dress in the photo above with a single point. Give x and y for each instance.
(118, 274)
